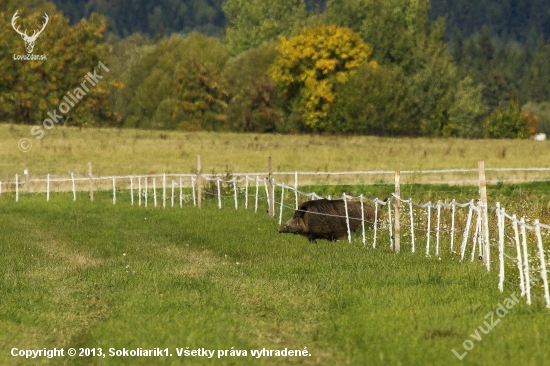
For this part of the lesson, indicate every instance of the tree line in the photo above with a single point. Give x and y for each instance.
(344, 66)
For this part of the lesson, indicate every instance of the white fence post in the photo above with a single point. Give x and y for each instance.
(139, 191)
(267, 196)
(500, 212)
(74, 187)
(194, 195)
(542, 263)
(397, 206)
(235, 192)
(466, 231)
(172, 198)
(453, 207)
(155, 191)
(428, 230)
(219, 193)
(375, 221)
(163, 190)
(347, 216)
(282, 199)
(437, 230)
(477, 233)
(199, 182)
(48, 188)
(146, 193)
(484, 218)
(362, 219)
(518, 253)
(131, 191)
(391, 224)
(411, 218)
(114, 191)
(91, 176)
(271, 188)
(525, 262)
(181, 192)
(497, 215)
(246, 192)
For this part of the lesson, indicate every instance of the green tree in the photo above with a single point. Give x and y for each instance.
(542, 113)
(254, 104)
(540, 73)
(153, 18)
(159, 81)
(509, 123)
(515, 20)
(409, 42)
(505, 71)
(458, 47)
(495, 87)
(486, 45)
(393, 28)
(254, 22)
(126, 55)
(201, 97)
(466, 111)
(375, 101)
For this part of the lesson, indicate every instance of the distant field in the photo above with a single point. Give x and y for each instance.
(121, 152)
(98, 275)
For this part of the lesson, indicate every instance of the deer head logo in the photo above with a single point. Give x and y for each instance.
(29, 40)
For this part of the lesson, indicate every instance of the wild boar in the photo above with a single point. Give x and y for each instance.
(326, 219)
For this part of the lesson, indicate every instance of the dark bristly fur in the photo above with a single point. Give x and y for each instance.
(317, 219)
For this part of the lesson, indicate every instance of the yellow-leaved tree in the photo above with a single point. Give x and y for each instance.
(311, 63)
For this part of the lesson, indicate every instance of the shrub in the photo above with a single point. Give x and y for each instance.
(509, 123)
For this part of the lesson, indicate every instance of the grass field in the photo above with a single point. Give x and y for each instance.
(98, 275)
(94, 275)
(122, 152)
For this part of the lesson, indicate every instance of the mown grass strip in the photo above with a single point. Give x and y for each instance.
(82, 274)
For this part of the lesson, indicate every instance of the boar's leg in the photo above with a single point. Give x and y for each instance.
(312, 238)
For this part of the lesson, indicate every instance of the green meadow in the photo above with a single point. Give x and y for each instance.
(93, 275)
(128, 151)
(96, 277)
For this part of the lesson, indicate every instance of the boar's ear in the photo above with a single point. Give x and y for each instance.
(301, 211)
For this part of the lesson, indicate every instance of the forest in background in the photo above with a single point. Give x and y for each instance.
(509, 20)
(401, 68)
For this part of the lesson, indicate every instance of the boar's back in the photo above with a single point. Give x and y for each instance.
(325, 219)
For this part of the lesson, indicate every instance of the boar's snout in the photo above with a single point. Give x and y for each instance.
(291, 226)
(285, 228)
